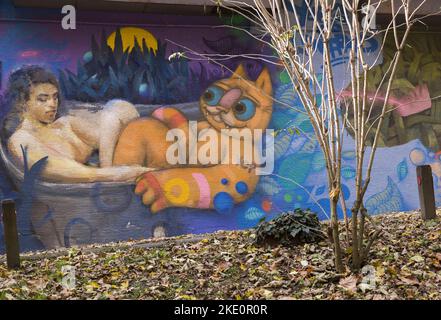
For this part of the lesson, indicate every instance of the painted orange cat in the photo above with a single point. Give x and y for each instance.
(235, 102)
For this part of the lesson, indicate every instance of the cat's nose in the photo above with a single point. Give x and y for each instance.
(229, 98)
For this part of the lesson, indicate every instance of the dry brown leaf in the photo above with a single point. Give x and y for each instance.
(409, 280)
(349, 283)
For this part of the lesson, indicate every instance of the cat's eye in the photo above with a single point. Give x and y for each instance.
(244, 109)
(213, 95)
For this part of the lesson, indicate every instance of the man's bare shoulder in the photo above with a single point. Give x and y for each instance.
(21, 137)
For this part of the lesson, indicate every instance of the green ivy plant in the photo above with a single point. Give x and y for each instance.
(290, 228)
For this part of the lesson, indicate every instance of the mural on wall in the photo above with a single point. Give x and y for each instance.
(89, 119)
(413, 116)
(137, 70)
(233, 103)
(59, 136)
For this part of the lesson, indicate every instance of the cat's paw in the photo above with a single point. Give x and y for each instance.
(149, 188)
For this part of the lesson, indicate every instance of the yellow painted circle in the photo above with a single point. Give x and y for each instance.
(128, 36)
(182, 196)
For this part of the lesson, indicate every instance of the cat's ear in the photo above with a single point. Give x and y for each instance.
(264, 81)
(240, 72)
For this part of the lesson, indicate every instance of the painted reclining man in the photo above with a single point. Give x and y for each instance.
(36, 124)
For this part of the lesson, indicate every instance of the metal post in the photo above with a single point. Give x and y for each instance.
(11, 234)
(425, 189)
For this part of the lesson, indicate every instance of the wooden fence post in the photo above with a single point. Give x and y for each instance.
(425, 190)
(11, 234)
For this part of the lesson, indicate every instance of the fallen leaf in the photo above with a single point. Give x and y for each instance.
(224, 266)
(349, 283)
(39, 284)
(410, 281)
(124, 284)
(379, 271)
(267, 294)
(417, 258)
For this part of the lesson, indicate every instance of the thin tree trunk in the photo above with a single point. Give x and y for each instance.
(345, 216)
(355, 249)
(335, 236)
(361, 234)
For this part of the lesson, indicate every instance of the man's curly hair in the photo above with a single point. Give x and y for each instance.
(18, 92)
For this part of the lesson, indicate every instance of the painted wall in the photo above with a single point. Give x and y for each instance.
(63, 214)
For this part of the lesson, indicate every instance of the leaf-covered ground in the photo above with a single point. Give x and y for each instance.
(405, 264)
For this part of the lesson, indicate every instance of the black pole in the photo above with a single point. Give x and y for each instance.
(425, 190)
(11, 234)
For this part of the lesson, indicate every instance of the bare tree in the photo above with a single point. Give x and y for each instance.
(296, 38)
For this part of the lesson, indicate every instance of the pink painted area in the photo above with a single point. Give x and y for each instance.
(29, 54)
(204, 190)
(158, 113)
(416, 101)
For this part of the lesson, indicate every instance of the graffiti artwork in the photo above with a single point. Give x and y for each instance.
(412, 117)
(96, 132)
(229, 103)
(73, 145)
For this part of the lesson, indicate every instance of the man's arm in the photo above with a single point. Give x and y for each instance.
(62, 169)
